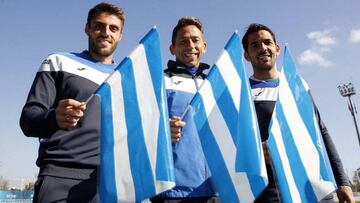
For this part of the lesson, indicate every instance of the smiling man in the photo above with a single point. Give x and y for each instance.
(55, 112)
(262, 50)
(182, 78)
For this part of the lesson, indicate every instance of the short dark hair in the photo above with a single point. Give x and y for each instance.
(185, 21)
(254, 27)
(106, 8)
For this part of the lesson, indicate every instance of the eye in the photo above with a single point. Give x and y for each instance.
(268, 42)
(254, 45)
(114, 28)
(183, 41)
(97, 26)
(196, 40)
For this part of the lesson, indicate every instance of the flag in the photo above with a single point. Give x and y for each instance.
(299, 156)
(136, 156)
(225, 118)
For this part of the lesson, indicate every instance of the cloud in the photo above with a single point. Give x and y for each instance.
(322, 38)
(321, 43)
(314, 57)
(355, 36)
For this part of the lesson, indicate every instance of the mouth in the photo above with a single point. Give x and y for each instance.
(190, 54)
(264, 57)
(104, 42)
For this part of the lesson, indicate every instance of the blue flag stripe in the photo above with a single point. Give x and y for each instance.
(107, 171)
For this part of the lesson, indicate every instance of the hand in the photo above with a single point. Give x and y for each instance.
(175, 126)
(68, 113)
(345, 194)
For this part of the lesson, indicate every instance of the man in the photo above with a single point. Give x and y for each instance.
(261, 50)
(67, 127)
(182, 79)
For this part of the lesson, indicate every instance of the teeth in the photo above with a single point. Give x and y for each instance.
(264, 56)
(190, 55)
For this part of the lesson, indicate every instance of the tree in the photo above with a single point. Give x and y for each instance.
(29, 186)
(4, 184)
(356, 181)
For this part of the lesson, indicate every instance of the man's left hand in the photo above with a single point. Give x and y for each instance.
(345, 194)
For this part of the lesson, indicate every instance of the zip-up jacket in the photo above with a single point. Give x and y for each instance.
(65, 153)
(191, 170)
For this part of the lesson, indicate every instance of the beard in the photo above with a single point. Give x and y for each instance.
(95, 47)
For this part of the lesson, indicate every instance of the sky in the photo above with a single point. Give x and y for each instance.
(323, 37)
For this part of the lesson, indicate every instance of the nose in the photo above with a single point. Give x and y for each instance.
(190, 44)
(105, 30)
(263, 46)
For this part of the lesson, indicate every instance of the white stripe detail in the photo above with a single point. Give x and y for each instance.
(123, 177)
(57, 62)
(149, 109)
(265, 94)
(224, 140)
(308, 155)
(230, 76)
(182, 84)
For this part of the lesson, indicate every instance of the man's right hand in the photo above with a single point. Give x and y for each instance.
(175, 126)
(68, 113)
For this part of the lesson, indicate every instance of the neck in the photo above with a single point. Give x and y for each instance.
(187, 66)
(101, 59)
(266, 74)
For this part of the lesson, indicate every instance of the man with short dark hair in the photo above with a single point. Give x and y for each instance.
(182, 79)
(262, 50)
(56, 112)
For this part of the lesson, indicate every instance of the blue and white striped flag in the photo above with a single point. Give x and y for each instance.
(299, 156)
(136, 156)
(226, 121)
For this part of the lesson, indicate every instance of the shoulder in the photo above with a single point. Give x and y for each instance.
(53, 61)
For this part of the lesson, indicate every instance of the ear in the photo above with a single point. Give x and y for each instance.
(278, 49)
(121, 34)
(205, 47)
(172, 49)
(87, 29)
(246, 55)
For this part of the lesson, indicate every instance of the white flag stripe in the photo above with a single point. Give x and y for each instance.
(149, 109)
(124, 183)
(278, 138)
(225, 142)
(308, 155)
(230, 76)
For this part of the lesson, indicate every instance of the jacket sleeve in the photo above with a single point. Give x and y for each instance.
(335, 162)
(38, 115)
